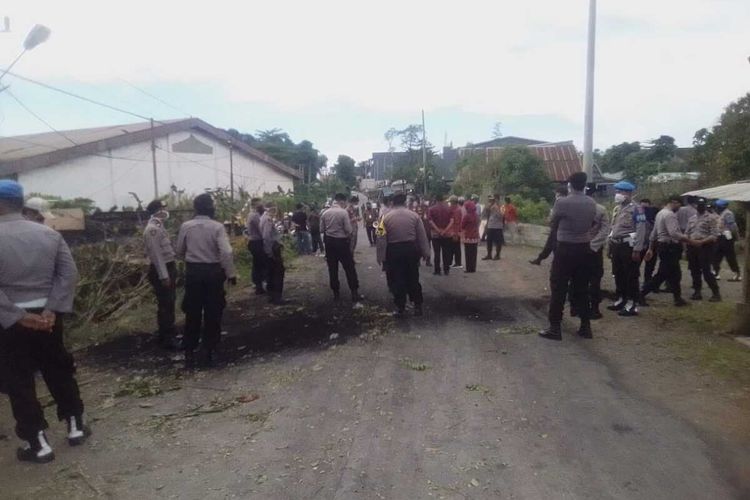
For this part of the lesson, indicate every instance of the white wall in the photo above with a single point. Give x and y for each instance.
(108, 179)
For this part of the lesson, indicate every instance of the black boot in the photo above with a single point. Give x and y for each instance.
(716, 297)
(595, 312)
(78, 431)
(554, 332)
(696, 296)
(336, 295)
(207, 358)
(189, 359)
(536, 262)
(585, 330)
(37, 450)
(619, 304)
(680, 302)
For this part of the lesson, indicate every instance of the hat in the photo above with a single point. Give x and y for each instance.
(10, 190)
(625, 186)
(155, 206)
(39, 205)
(491, 197)
(453, 199)
(721, 203)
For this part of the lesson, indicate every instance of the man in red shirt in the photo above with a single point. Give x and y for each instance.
(511, 218)
(440, 216)
(457, 211)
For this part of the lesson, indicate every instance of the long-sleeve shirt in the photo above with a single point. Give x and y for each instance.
(727, 222)
(269, 232)
(573, 216)
(335, 223)
(204, 241)
(440, 215)
(253, 226)
(403, 226)
(158, 247)
(630, 218)
(684, 214)
(494, 216)
(666, 227)
(703, 226)
(36, 270)
(600, 229)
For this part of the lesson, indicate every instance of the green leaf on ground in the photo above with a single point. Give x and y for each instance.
(415, 365)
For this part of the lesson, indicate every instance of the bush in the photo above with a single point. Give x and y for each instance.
(530, 211)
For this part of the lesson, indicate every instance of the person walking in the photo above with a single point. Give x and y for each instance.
(162, 271)
(255, 245)
(407, 245)
(336, 226)
(703, 229)
(729, 233)
(495, 223)
(354, 218)
(441, 224)
(317, 241)
(667, 239)
(470, 236)
(203, 243)
(38, 278)
(627, 243)
(370, 220)
(272, 252)
(302, 235)
(457, 212)
(599, 233)
(572, 219)
(551, 242)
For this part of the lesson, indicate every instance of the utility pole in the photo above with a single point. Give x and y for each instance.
(424, 154)
(588, 134)
(231, 172)
(153, 159)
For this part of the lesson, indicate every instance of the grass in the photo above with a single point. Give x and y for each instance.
(415, 365)
(703, 336)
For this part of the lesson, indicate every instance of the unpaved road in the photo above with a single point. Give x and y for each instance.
(463, 403)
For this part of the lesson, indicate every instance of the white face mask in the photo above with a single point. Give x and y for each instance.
(619, 198)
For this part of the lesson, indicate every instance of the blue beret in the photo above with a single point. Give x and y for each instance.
(10, 190)
(624, 186)
(721, 203)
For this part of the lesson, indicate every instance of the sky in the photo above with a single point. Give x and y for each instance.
(341, 72)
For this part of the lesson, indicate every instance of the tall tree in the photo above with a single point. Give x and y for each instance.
(613, 159)
(497, 130)
(344, 170)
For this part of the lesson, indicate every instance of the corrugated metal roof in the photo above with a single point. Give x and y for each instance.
(739, 191)
(560, 160)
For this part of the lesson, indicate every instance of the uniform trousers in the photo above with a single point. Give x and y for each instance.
(626, 271)
(317, 241)
(699, 263)
(276, 273)
(669, 269)
(570, 274)
(595, 279)
(496, 237)
(403, 266)
(725, 249)
(370, 234)
(24, 351)
(649, 267)
(165, 299)
(457, 252)
(353, 238)
(442, 248)
(260, 263)
(338, 251)
(203, 304)
(470, 250)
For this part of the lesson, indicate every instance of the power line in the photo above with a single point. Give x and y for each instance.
(152, 96)
(20, 103)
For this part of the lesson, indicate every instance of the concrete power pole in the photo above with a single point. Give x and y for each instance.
(588, 134)
(424, 154)
(153, 160)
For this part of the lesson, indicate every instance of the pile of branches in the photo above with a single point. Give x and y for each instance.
(113, 280)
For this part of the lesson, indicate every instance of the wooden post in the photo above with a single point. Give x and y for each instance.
(743, 308)
(153, 160)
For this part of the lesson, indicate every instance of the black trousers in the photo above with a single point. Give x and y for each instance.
(22, 353)
(496, 237)
(725, 249)
(276, 273)
(699, 263)
(470, 249)
(442, 247)
(260, 263)
(203, 304)
(317, 241)
(570, 274)
(338, 251)
(403, 264)
(165, 300)
(549, 246)
(457, 252)
(595, 279)
(626, 271)
(669, 269)
(370, 233)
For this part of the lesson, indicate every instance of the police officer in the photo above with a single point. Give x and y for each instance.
(203, 243)
(255, 245)
(336, 226)
(703, 229)
(667, 239)
(37, 286)
(572, 219)
(162, 271)
(725, 246)
(272, 254)
(626, 243)
(407, 245)
(599, 232)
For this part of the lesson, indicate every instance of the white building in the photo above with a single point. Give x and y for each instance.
(107, 164)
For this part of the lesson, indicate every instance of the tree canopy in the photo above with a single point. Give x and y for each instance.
(639, 161)
(344, 170)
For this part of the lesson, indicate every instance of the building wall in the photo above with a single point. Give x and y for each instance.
(108, 179)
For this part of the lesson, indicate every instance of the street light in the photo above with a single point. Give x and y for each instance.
(38, 34)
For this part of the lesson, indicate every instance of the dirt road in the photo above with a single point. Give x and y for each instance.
(318, 401)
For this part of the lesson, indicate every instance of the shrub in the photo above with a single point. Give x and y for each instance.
(530, 211)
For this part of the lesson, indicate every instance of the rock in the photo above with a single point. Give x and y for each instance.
(334, 336)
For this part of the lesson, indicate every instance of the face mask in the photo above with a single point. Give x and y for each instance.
(620, 198)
